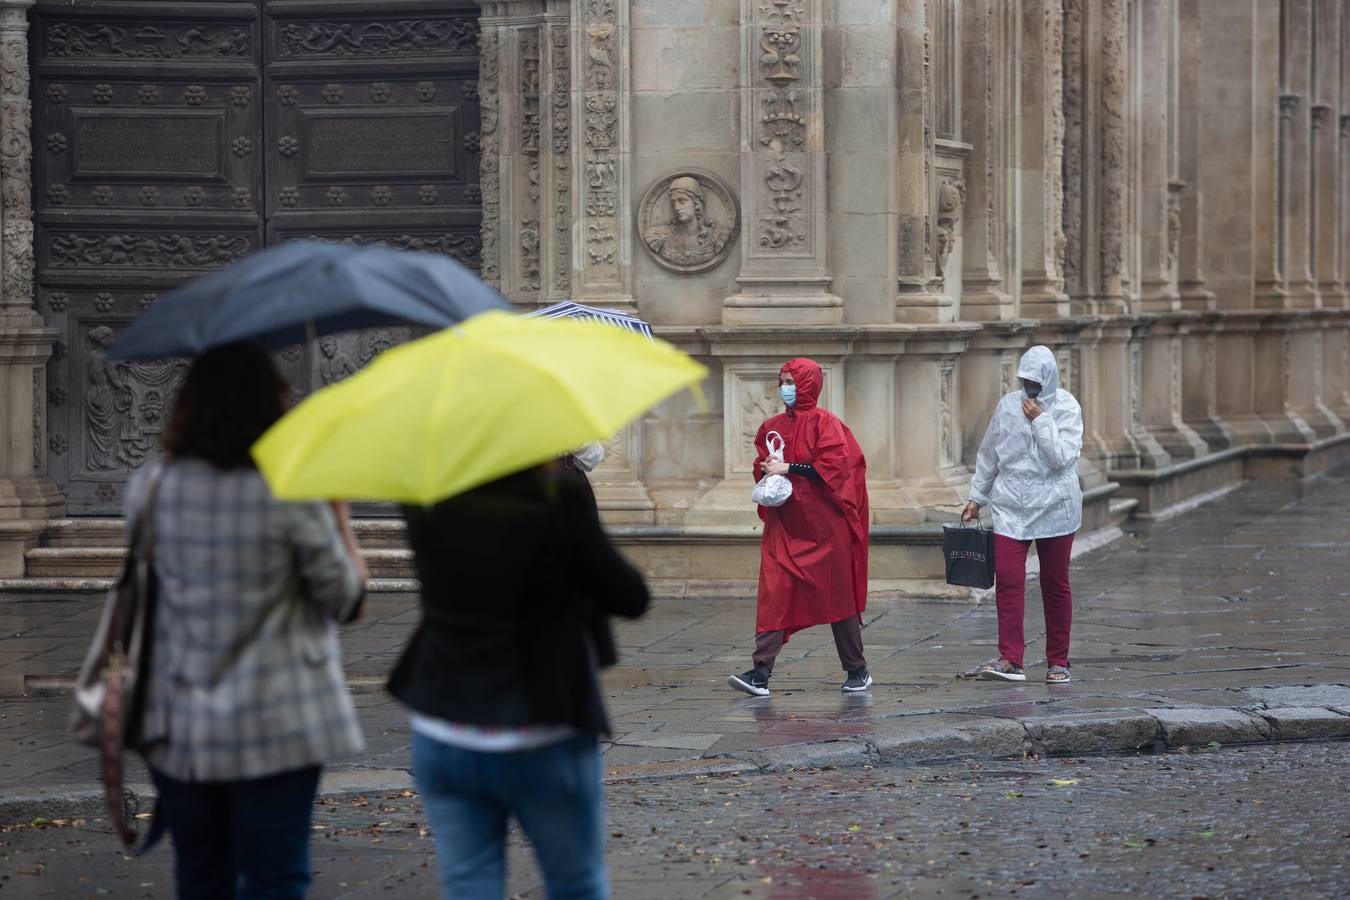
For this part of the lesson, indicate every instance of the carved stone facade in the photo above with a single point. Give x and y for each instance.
(912, 192)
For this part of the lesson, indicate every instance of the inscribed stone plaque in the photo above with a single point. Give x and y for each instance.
(364, 145)
(175, 146)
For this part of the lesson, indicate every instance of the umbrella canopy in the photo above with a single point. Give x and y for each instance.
(444, 414)
(569, 310)
(304, 290)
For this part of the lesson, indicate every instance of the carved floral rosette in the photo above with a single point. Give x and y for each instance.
(704, 241)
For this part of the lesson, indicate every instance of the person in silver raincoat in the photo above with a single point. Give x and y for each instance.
(1027, 471)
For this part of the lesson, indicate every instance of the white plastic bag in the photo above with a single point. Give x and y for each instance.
(773, 490)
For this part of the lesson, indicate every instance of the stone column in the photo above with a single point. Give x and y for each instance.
(983, 294)
(27, 497)
(1040, 162)
(785, 276)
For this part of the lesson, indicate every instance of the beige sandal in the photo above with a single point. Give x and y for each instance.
(1058, 675)
(1000, 670)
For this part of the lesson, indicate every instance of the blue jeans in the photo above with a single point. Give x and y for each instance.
(240, 840)
(553, 792)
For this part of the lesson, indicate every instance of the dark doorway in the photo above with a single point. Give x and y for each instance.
(170, 139)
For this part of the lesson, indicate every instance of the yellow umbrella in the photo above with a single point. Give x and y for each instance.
(444, 414)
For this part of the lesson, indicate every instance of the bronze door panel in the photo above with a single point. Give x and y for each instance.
(146, 132)
(169, 143)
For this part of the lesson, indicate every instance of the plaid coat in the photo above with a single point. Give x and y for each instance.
(246, 676)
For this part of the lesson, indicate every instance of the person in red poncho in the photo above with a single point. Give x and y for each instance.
(813, 556)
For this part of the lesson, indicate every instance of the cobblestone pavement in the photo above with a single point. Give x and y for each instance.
(1268, 821)
(1232, 606)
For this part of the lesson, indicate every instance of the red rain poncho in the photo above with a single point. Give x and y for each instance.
(813, 556)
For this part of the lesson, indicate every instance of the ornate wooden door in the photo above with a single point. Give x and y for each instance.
(170, 139)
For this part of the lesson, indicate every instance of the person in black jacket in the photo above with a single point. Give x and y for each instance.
(518, 581)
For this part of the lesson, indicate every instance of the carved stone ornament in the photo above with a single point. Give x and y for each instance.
(951, 199)
(689, 220)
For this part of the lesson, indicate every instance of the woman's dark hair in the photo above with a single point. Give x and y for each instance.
(232, 394)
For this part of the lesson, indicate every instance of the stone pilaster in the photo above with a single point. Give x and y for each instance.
(1185, 209)
(1095, 102)
(1158, 193)
(1041, 159)
(558, 206)
(1295, 154)
(602, 123)
(984, 296)
(1162, 386)
(1199, 394)
(919, 295)
(27, 497)
(525, 89)
(1112, 130)
(785, 276)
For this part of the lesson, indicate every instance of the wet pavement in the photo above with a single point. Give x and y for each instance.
(1234, 606)
(1260, 821)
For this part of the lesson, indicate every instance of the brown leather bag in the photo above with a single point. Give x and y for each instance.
(110, 691)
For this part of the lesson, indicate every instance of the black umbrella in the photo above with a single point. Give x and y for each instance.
(304, 290)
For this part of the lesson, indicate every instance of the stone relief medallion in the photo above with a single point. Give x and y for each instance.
(689, 220)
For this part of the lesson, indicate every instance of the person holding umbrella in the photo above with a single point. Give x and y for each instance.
(246, 698)
(464, 428)
(813, 553)
(1027, 471)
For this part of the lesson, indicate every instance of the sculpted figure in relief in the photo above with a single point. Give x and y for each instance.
(334, 365)
(692, 237)
(108, 397)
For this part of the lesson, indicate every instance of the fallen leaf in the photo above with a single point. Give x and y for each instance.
(1063, 782)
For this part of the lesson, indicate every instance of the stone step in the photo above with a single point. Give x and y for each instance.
(375, 534)
(65, 562)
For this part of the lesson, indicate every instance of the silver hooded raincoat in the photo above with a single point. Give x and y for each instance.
(1028, 471)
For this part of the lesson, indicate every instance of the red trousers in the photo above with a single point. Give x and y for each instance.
(1010, 589)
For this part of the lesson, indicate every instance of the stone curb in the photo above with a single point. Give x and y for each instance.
(904, 740)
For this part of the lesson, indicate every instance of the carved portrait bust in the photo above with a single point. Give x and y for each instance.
(689, 220)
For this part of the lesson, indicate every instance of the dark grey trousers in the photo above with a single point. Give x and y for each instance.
(848, 640)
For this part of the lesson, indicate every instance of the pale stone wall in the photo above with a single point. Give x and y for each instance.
(912, 192)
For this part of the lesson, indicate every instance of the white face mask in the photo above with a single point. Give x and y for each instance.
(590, 456)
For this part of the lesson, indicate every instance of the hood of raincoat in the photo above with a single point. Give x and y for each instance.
(1038, 364)
(806, 373)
